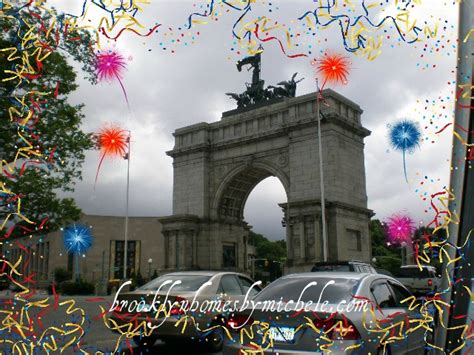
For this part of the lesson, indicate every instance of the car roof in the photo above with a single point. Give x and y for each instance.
(328, 274)
(202, 273)
(341, 262)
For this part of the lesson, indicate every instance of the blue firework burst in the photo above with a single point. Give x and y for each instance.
(77, 239)
(405, 137)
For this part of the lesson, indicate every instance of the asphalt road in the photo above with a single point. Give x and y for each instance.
(97, 338)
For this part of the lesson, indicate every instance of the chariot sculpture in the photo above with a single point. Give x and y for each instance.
(256, 92)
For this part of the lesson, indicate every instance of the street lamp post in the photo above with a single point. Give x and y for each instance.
(149, 268)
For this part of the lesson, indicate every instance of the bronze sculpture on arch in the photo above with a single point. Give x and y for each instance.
(256, 93)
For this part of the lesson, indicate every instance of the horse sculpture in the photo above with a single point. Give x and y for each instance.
(287, 88)
(256, 91)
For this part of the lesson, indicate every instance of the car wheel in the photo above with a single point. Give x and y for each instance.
(428, 340)
(214, 341)
(384, 351)
(144, 342)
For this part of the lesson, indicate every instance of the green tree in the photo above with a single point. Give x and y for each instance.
(38, 51)
(274, 253)
(266, 249)
(388, 258)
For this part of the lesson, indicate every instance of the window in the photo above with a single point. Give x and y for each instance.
(383, 296)
(334, 267)
(246, 284)
(118, 257)
(354, 240)
(228, 255)
(415, 272)
(291, 288)
(70, 262)
(229, 285)
(400, 294)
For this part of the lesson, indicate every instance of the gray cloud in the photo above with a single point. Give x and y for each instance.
(168, 91)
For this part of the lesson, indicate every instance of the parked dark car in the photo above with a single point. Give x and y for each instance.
(339, 328)
(351, 266)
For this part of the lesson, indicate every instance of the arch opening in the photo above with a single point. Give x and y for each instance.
(262, 211)
(236, 188)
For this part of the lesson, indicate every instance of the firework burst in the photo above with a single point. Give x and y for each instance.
(110, 66)
(77, 239)
(405, 137)
(113, 143)
(333, 68)
(400, 229)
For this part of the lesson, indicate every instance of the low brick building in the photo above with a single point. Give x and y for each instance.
(104, 259)
(42, 254)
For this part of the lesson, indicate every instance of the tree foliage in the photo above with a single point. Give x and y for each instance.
(38, 51)
(266, 249)
(388, 258)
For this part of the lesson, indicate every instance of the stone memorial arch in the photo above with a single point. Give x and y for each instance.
(217, 165)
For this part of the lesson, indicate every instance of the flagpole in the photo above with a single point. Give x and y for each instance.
(321, 176)
(126, 208)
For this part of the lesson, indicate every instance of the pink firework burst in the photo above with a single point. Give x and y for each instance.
(109, 66)
(400, 229)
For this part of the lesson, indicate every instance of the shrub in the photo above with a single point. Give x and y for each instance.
(80, 287)
(139, 280)
(113, 286)
(61, 275)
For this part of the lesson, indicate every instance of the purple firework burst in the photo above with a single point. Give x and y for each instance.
(109, 66)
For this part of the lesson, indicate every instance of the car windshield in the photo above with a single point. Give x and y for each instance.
(188, 283)
(334, 267)
(337, 289)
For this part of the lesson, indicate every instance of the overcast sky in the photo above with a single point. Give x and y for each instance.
(170, 90)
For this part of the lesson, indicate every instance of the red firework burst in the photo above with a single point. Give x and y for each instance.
(334, 68)
(113, 143)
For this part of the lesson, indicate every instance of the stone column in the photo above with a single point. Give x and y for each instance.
(246, 253)
(289, 240)
(302, 238)
(176, 250)
(180, 233)
(194, 243)
(166, 238)
(318, 250)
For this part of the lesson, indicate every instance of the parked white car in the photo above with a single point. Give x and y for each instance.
(173, 288)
